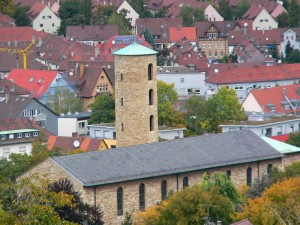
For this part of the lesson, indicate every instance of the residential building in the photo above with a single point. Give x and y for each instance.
(245, 78)
(17, 134)
(261, 19)
(14, 106)
(42, 84)
(159, 167)
(178, 33)
(292, 35)
(73, 123)
(108, 131)
(280, 99)
(186, 81)
(136, 95)
(6, 21)
(91, 34)
(213, 38)
(159, 32)
(18, 36)
(43, 18)
(8, 87)
(131, 14)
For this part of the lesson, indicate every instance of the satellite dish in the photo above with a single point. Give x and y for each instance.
(76, 143)
(245, 24)
(113, 42)
(71, 73)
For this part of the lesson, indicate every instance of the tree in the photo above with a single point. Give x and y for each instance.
(225, 10)
(104, 13)
(294, 16)
(148, 37)
(64, 100)
(77, 211)
(120, 20)
(86, 10)
(161, 13)
(6, 7)
(290, 171)
(194, 107)
(294, 57)
(21, 17)
(103, 110)
(30, 202)
(242, 8)
(191, 15)
(138, 6)
(274, 52)
(193, 205)
(283, 20)
(288, 49)
(166, 99)
(280, 204)
(223, 107)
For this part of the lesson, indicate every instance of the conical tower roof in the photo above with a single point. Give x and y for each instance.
(135, 49)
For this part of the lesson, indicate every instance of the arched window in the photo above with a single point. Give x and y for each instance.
(249, 176)
(120, 201)
(122, 101)
(142, 196)
(151, 97)
(150, 71)
(269, 169)
(151, 121)
(185, 182)
(228, 173)
(164, 190)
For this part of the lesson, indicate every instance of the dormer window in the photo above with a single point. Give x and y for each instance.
(1, 89)
(12, 88)
(31, 79)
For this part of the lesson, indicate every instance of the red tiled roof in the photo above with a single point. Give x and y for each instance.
(177, 33)
(30, 3)
(275, 96)
(174, 9)
(7, 85)
(283, 137)
(36, 9)
(245, 74)
(252, 12)
(20, 34)
(35, 81)
(193, 58)
(6, 21)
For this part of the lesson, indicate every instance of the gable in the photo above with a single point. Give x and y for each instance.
(250, 104)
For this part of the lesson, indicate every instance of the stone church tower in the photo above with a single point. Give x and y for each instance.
(136, 95)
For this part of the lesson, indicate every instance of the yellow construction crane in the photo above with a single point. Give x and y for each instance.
(24, 52)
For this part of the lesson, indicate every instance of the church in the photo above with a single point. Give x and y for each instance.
(142, 171)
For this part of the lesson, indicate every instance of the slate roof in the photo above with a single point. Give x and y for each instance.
(11, 105)
(92, 33)
(275, 97)
(168, 157)
(35, 81)
(256, 74)
(135, 49)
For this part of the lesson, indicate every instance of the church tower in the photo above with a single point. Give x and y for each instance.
(136, 95)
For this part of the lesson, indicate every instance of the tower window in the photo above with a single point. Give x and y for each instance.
(121, 77)
(142, 196)
(151, 121)
(120, 201)
(164, 190)
(122, 101)
(249, 176)
(185, 182)
(150, 71)
(122, 127)
(151, 97)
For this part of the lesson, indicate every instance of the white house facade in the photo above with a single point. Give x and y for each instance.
(211, 14)
(73, 124)
(46, 21)
(264, 21)
(186, 81)
(290, 36)
(131, 15)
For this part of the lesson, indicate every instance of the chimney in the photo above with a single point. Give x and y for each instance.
(6, 98)
(81, 70)
(49, 5)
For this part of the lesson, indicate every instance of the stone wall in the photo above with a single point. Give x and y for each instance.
(132, 90)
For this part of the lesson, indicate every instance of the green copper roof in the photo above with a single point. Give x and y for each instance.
(282, 147)
(135, 49)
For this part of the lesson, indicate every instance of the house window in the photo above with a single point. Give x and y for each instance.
(287, 37)
(215, 35)
(19, 135)
(52, 24)
(249, 176)
(81, 125)
(3, 137)
(291, 128)
(142, 196)
(181, 80)
(228, 173)
(27, 134)
(216, 53)
(209, 35)
(105, 134)
(150, 68)
(292, 37)
(122, 127)
(11, 136)
(151, 97)
(41, 111)
(122, 101)
(185, 182)
(268, 132)
(164, 190)
(120, 201)
(49, 17)
(12, 88)
(6, 152)
(22, 149)
(279, 130)
(35, 134)
(269, 169)
(151, 121)
(25, 113)
(41, 25)
(203, 45)
(239, 87)
(1, 89)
